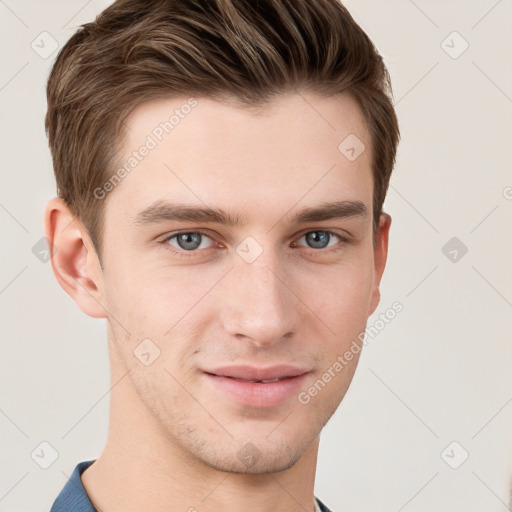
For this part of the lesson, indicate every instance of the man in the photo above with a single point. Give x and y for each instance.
(221, 168)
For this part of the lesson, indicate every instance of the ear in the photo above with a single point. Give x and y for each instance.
(74, 260)
(380, 258)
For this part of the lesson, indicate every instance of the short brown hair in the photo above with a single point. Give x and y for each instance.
(246, 50)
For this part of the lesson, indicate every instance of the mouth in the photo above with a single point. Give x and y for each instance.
(264, 381)
(257, 387)
(255, 374)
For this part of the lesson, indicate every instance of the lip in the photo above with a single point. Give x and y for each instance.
(247, 372)
(234, 383)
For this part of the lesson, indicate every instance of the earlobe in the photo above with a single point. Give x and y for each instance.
(73, 258)
(380, 258)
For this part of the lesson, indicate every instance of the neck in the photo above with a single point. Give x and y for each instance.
(143, 468)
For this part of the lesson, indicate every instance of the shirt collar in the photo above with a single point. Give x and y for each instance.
(73, 496)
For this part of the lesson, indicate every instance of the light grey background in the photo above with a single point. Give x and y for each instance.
(438, 373)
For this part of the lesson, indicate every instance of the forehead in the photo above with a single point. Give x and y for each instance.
(301, 148)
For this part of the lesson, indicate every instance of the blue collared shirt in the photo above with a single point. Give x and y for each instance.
(73, 497)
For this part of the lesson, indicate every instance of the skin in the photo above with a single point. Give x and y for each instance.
(173, 440)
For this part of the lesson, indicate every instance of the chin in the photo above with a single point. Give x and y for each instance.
(265, 464)
(252, 454)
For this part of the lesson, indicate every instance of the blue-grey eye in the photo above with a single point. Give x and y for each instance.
(190, 240)
(319, 239)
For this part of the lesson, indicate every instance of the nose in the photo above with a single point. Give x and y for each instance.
(261, 305)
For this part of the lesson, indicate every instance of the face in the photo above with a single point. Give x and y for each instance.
(225, 269)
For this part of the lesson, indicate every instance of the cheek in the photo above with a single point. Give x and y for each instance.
(159, 296)
(341, 294)
(169, 307)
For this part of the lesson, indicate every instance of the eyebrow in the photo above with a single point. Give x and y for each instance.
(163, 211)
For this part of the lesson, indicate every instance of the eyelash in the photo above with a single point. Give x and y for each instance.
(343, 241)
